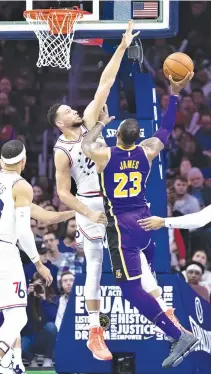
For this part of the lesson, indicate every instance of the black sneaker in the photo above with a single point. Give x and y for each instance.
(180, 349)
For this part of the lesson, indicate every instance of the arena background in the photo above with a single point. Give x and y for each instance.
(26, 92)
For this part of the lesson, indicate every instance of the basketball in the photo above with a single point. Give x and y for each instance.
(178, 65)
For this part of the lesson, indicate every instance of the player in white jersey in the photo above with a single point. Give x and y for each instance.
(70, 161)
(15, 200)
(189, 221)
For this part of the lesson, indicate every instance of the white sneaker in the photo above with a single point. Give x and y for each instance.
(34, 363)
(47, 363)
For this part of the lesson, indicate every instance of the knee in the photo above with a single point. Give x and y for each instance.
(50, 327)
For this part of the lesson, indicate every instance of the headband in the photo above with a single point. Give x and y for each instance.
(14, 160)
(195, 268)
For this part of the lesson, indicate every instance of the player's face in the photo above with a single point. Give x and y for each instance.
(67, 283)
(201, 257)
(67, 118)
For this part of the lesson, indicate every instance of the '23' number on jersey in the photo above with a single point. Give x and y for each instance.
(122, 179)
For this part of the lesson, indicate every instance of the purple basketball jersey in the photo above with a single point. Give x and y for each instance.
(124, 179)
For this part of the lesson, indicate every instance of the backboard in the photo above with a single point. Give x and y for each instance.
(107, 19)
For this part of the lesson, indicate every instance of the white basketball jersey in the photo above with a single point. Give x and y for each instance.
(82, 169)
(7, 207)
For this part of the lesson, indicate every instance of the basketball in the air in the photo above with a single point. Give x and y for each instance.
(178, 65)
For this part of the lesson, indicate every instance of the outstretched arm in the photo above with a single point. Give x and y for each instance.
(107, 79)
(189, 221)
(154, 145)
(48, 217)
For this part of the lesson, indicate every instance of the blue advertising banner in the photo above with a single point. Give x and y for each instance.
(128, 331)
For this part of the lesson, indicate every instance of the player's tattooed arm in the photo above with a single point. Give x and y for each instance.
(107, 79)
(48, 217)
(152, 147)
(63, 182)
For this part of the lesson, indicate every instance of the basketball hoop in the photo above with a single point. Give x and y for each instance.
(54, 41)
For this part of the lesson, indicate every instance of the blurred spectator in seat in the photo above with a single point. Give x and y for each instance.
(157, 54)
(177, 246)
(29, 110)
(2, 69)
(68, 244)
(194, 272)
(185, 167)
(39, 335)
(30, 269)
(198, 99)
(201, 256)
(197, 187)
(64, 261)
(62, 207)
(203, 134)
(164, 102)
(184, 203)
(67, 281)
(186, 110)
(5, 86)
(17, 94)
(33, 224)
(190, 149)
(37, 194)
(41, 230)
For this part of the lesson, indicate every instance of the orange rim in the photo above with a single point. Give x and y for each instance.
(59, 20)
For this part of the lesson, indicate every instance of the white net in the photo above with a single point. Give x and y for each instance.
(55, 34)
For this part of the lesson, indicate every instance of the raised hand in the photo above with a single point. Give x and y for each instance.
(128, 36)
(104, 115)
(176, 87)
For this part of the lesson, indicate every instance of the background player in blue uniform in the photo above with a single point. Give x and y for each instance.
(124, 170)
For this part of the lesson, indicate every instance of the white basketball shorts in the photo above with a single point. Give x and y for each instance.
(89, 229)
(13, 292)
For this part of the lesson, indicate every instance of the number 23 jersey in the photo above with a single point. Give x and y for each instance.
(123, 180)
(82, 169)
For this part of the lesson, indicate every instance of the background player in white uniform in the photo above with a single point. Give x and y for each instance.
(189, 221)
(70, 160)
(15, 200)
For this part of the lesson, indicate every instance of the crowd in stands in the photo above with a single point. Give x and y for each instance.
(187, 160)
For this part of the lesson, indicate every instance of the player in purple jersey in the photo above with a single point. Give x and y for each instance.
(123, 173)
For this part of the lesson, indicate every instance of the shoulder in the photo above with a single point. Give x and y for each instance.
(62, 158)
(22, 187)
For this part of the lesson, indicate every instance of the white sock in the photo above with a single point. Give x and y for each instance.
(18, 355)
(162, 304)
(94, 319)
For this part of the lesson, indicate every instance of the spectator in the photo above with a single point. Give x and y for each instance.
(37, 194)
(157, 54)
(39, 335)
(33, 224)
(164, 102)
(198, 99)
(30, 269)
(67, 281)
(72, 262)
(201, 256)
(68, 244)
(186, 110)
(185, 167)
(203, 134)
(41, 230)
(197, 187)
(194, 272)
(184, 203)
(190, 149)
(5, 86)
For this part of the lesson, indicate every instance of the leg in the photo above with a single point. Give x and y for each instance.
(94, 257)
(183, 342)
(14, 321)
(18, 365)
(46, 342)
(27, 344)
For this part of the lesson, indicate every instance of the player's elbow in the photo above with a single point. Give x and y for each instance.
(63, 194)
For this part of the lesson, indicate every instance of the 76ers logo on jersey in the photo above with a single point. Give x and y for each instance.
(19, 290)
